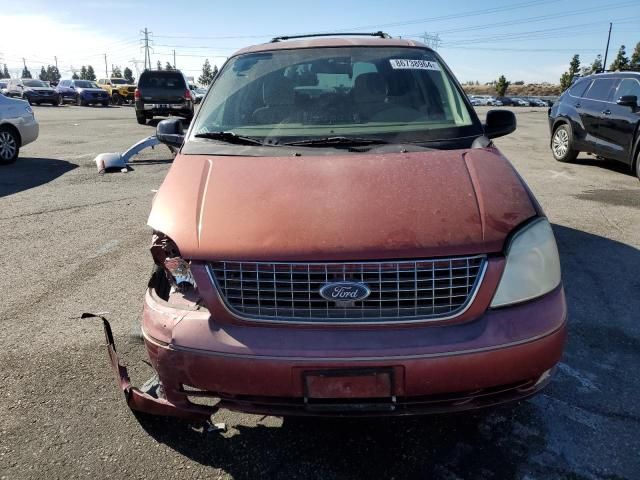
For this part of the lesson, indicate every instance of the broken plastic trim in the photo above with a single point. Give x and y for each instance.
(139, 400)
(112, 161)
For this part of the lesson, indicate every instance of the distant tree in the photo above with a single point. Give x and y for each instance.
(75, 76)
(595, 67)
(168, 66)
(116, 72)
(633, 65)
(43, 74)
(91, 75)
(621, 62)
(128, 75)
(53, 75)
(26, 73)
(5, 72)
(567, 77)
(501, 85)
(519, 82)
(215, 72)
(159, 65)
(83, 73)
(207, 73)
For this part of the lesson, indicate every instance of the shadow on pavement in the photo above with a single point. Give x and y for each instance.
(27, 173)
(402, 447)
(520, 440)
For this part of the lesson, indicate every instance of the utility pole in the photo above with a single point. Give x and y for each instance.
(24, 62)
(431, 41)
(56, 59)
(106, 71)
(147, 57)
(174, 59)
(606, 52)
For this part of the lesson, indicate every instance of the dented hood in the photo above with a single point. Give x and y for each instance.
(346, 207)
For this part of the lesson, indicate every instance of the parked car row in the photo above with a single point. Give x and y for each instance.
(488, 100)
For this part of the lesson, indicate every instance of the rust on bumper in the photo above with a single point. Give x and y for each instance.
(141, 401)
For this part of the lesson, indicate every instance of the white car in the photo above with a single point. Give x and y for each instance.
(18, 127)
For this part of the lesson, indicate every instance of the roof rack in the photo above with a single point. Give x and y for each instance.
(340, 34)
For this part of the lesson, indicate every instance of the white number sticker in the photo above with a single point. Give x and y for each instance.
(414, 64)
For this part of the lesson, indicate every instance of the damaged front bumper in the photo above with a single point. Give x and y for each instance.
(149, 401)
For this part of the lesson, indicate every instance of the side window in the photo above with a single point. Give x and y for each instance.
(628, 86)
(578, 88)
(602, 89)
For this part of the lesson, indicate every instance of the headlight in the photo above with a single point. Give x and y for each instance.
(165, 254)
(533, 265)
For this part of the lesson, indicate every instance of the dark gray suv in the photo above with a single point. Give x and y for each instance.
(163, 93)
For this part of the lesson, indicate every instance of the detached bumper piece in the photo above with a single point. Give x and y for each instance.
(149, 401)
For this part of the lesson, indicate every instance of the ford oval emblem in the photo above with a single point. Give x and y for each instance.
(344, 292)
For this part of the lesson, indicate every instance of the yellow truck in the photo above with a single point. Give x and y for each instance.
(119, 89)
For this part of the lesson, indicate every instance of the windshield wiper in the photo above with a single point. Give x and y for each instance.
(328, 141)
(230, 137)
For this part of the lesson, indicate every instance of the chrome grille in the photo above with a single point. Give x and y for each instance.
(400, 291)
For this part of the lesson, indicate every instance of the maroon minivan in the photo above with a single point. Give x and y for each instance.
(338, 235)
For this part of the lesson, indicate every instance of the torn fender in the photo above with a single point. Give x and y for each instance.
(139, 400)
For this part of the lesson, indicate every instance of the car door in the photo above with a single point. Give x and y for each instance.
(592, 108)
(619, 123)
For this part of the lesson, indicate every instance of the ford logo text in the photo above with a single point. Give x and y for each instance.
(344, 292)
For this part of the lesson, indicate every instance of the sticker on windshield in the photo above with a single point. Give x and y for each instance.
(414, 64)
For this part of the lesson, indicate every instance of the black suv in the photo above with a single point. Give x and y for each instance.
(163, 93)
(599, 114)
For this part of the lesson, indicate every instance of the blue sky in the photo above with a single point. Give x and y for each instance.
(530, 40)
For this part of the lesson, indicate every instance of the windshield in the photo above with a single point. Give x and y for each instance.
(119, 81)
(395, 93)
(84, 84)
(34, 83)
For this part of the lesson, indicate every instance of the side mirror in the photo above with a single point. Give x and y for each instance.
(499, 123)
(170, 132)
(628, 101)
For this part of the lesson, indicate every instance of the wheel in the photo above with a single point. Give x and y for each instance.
(9, 146)
(60, 100)
(117, 99)
(28, 99)
(105, 103)
(638, 163)
(141, 118)
(79, 101)
(562, 143)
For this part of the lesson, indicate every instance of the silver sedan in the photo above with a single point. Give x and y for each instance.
(18, 127)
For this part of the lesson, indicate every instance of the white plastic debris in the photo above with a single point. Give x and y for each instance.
(110, 161)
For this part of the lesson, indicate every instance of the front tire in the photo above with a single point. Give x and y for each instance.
(562, 144)
(117, 99)
(141, 118)
(638, 163)
(79, 101)
(9, 146)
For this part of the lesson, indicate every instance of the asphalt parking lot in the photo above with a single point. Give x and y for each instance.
(75, 241)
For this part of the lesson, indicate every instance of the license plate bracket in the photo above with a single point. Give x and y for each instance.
(348, 383)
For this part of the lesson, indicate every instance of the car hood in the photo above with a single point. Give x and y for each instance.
(40, 89)
(90, 90)
(343, 207)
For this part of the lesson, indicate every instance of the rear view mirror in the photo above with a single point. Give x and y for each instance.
(628, 101)
(170, 132)
(499, 123)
